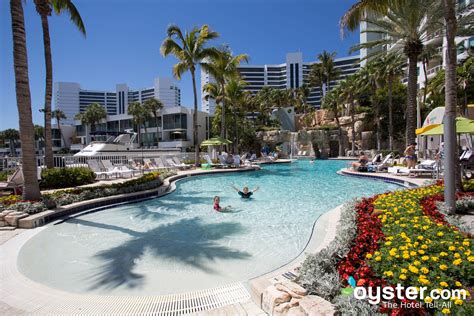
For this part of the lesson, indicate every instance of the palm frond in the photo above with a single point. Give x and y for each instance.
(60, 6)
(179, 69)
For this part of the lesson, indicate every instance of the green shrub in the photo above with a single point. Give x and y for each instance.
(4, 175)
(469, 185)
(56, 178)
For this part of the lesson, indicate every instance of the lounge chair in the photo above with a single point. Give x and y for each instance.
(237, 161)
(173, 164)
(181, 164)
(14, 181)
(223, 161)
(98, 170)
(253, 157)
(149, 164)
(209, 162)
(414, 172)
(382, 166)
(160, 164)
(117, 170)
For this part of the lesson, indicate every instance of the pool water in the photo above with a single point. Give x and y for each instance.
(178, 243)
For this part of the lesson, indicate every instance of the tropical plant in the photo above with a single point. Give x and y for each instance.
(323, 72)
(223, 67)
(59, 115)
(154, 106)
(189, 48)
(12, 135)
(39, 132)
(301, 98)
(331, 102)
(405, 28)
(92, 115)
(44, 9)
(349, 90)
(140, 114)
(31, 189)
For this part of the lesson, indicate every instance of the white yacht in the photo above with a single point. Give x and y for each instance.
(125, 144)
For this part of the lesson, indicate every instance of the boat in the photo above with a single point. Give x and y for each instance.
(125, 144)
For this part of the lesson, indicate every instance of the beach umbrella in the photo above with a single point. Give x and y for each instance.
(463, 126)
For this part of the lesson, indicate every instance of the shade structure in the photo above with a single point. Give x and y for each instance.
(421, 130)
(463, 126)
(215, 141)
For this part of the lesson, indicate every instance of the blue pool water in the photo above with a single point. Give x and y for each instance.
(178, 243)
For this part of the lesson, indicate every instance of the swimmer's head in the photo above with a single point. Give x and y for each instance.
(217, 199)
(245, 190)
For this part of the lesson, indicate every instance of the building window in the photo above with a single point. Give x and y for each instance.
(291, 76)
(297, 75)
(175, 121)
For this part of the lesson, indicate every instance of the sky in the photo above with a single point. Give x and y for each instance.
(123, 39)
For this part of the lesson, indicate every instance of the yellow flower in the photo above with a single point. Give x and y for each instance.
(421, 252)
(435, 259)
(428, 299)
(424, 247)
(402, 277)
(440, 234)
(457, 262)
(457, 255)
(443, 267)
(444, 284)
(458, 283)
(417, 263)
(443, 254)
(425, 258)
(413, 269)
(446, 311)
(424, 270)
(412, 253)
(452, 248)
(420, 237)
(403, 270)
(388, 273)
(368, 256)
(458, 302)
(466, 242)
(388, 243)
(470, 258)
(378, 258)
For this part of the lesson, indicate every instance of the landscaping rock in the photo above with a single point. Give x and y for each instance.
(281, 310)
(273, 297)
(5, 213)
(13, 217)
(293, 288)
(3, 223)
(314, 305)
(296, 311)
(294, 302)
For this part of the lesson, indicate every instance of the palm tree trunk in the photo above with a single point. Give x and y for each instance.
(31, 189)
(378, 132)
(48, 143)
(157, 135)
(353, 136)
(223, 112)
(195, 121)
(390, 114)
(411, 100)
(425, 91)
(451, 161)
(336, 117)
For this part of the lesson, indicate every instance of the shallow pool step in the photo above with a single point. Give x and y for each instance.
(170, 305)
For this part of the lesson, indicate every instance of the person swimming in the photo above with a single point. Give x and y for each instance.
(219, 208)
(245, 193)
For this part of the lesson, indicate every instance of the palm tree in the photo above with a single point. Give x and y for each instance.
(349, 89)
(316, 77)
(223, 67)
(330, 73)
(44, 9)
(236, 98)
(59, 115)
(154, 106)
(140, 115)
(189, 49)
(331, 101)
(302, 94)
(92, 115)
(406, 27)
(12, 135)
(31, 189)
(392, 66)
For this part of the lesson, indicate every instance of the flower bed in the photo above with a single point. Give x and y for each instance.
(403, 239)
(64, 197)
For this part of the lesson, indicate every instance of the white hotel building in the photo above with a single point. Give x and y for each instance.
(72, 99)
(175, 122)
(290, 75)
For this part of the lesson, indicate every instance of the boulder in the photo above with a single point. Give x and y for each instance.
(5, 213)
(281, 309)
(294, 302)
(296, 311)
(13, 217)
(272, 297)
(359, 126)
(3, 223)
(291, 288)
(314, 305)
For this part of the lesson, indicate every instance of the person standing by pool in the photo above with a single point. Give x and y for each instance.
(245, 193)
(410, 156)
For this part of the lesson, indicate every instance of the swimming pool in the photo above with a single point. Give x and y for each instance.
(178, 243)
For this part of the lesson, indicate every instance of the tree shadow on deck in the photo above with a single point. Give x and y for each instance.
(188, 241)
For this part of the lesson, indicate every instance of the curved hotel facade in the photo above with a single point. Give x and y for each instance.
(290, 75)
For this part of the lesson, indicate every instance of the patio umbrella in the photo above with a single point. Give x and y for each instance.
(215, 141)
(463, 126)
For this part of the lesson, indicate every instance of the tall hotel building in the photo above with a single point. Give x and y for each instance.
(290, 75)
(72, 99)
